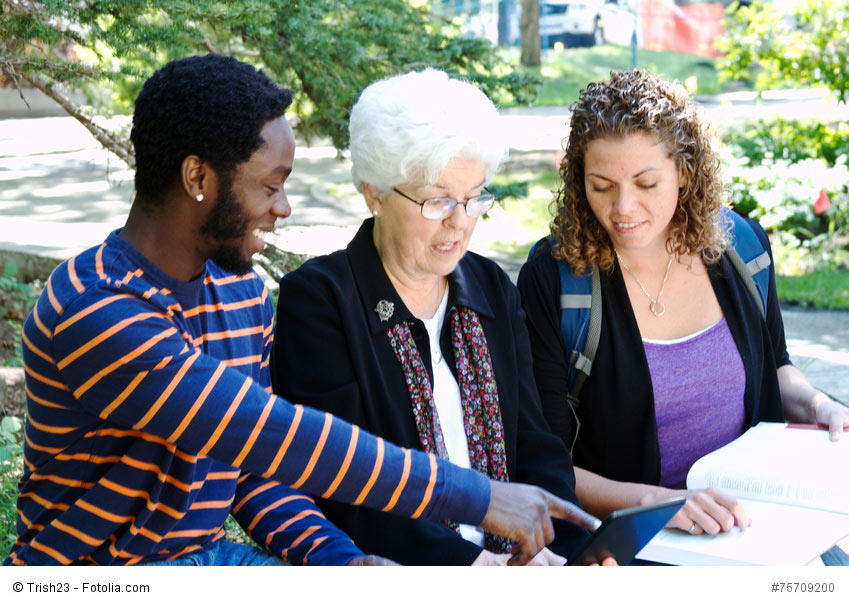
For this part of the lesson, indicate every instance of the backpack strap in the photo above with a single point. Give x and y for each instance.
(580, 324)
(748, 257)
(580, 319)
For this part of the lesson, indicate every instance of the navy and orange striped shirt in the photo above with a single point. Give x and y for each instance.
(150, 419)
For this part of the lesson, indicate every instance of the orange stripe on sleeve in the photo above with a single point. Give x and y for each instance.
(255, 433)
(261, 513)
(72, 275)
(429, 490)
(302, 537)
(44, 502)
(259, 489)
(293, 428)
(163, 363)
(316, 453)
(50, 551)
(40, 448)
(99, 304)
(244, 361)
(123, 360)
(102, 513)
(39, 324)
(197, 403)
(166, 393)
(403, 482)
(98, 262)
(131, 386)
(78, 534)
(44, 402)
(222, 425)
(50, 428)
(378, 463)
(295, 518)
(36, 350)
(101, 337)
(352, 447)
(52, 296)
(39, 377)
(221, 307)
(315, 544)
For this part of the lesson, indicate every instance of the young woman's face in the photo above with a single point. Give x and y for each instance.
(632, 186)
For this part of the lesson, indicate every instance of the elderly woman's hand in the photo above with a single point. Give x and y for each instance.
(546, 557)
(372, 560)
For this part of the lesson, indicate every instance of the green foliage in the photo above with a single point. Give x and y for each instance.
(511, 189)
(11, 467)
(776, 44)
(791, 140)
(565, 72)
(776, 170)
(326, 50)
(16, 300)
(821, 288)
(10, 428)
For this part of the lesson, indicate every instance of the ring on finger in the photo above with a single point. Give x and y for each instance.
(692, 528)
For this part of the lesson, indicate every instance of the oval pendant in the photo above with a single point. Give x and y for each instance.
(657, 308)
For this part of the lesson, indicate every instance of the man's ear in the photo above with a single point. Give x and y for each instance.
(195, 175)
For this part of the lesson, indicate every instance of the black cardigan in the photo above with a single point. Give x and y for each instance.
(618, 432)
(331, 351)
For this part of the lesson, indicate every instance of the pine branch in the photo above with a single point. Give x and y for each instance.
(108, 139)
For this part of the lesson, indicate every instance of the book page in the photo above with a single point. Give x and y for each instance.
(776, 463)
(779, 535)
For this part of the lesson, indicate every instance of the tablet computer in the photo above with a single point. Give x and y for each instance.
(625, 532)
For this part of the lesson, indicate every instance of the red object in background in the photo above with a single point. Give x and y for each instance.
(685, 29)
(823, 203)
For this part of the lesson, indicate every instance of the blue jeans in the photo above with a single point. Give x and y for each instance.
(835, 557)
(224, 553)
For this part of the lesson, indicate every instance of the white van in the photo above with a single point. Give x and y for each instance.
(587, 22)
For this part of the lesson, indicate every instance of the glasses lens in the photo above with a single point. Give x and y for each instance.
(438, 208)
(478, 205)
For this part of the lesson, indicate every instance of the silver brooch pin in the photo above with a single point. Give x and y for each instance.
(384, 309)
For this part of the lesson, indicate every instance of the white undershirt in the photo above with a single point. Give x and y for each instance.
(449, 408)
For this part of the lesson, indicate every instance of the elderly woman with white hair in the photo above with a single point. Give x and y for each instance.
(410, 336)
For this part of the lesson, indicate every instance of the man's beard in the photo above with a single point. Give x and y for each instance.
(228, 221)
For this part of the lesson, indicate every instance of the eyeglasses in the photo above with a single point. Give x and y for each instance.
(437, 209)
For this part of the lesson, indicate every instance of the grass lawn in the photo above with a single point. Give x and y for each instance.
(820, 288)
(565, 71)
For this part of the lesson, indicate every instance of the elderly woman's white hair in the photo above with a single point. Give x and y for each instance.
(407, 128)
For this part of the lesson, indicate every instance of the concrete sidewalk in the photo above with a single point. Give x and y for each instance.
(61, 193)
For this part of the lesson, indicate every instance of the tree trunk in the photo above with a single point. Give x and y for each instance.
(530, 33)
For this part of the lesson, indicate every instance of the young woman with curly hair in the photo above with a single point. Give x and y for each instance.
(686, 362)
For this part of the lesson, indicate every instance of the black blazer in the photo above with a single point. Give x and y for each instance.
(331, 351)
(618, 433)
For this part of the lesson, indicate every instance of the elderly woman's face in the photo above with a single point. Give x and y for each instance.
(416, 248)
(632, 187)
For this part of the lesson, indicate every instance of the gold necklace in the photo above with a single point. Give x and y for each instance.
(656, 307)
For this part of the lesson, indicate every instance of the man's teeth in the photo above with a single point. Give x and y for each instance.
(260, 234)
(448, 246)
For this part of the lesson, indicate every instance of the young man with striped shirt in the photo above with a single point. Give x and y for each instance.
(149, 412)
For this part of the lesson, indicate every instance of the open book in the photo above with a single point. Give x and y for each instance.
(794, 484)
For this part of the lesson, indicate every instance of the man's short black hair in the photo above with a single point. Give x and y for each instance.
(211, 106)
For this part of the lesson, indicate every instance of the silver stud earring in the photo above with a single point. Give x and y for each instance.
(199, 197)
(374, 212)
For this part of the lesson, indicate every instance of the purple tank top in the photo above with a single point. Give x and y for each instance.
(698, 384)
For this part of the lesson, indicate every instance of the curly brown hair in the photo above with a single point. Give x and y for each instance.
(629, 103)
